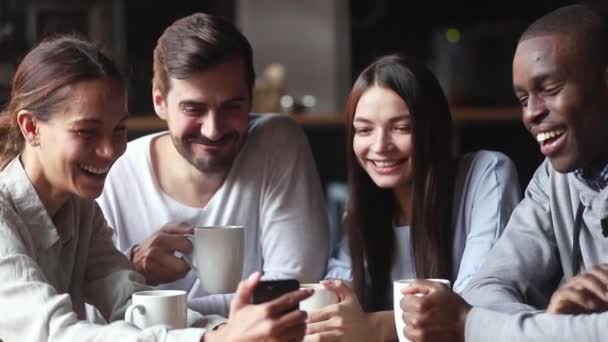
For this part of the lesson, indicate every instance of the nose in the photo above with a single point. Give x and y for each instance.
(211, 126)
(110, 149)
(382, 141)
(534, 111)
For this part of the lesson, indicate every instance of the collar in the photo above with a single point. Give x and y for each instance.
(595, 178)
(32, 212)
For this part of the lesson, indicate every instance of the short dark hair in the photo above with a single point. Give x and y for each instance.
(198, 43)
(584, 24)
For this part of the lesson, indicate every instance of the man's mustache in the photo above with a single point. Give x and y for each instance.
(199, 139)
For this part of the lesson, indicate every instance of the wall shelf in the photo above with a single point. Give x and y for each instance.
(462, 115)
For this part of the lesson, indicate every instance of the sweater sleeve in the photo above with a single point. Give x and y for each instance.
(510, 276)
(340, 265)
(535, 326)
(495, 191)
(294, 232)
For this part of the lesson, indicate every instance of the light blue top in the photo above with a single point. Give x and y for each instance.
(485, 193)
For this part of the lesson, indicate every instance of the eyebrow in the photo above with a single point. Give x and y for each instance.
(202, 103)
(399, 117)
(96, 121)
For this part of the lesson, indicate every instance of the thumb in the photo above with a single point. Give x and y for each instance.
(340, 288)
(243, 294)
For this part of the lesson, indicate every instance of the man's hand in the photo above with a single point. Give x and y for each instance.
(154, 257)
(432, 312)
(262, 322)
(344, 321)
(585, 293)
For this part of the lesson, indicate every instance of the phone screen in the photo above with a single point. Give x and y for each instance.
(268, 290)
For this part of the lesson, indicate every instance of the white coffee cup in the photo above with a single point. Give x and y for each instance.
(158, 307)
(397, 296)
(321, 298)
(218, 257)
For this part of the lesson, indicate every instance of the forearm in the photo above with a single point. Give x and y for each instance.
(212, 304)
(486, 325)
(383, 323)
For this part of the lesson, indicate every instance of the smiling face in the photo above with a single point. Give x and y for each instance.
(208, 115)
(79, 144)
(564, 101)
(382, 139)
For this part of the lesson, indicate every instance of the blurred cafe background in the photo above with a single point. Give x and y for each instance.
(307, 53)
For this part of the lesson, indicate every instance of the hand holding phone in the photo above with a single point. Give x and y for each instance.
(274, 319)
(268, 290)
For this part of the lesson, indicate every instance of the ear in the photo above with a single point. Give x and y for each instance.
(28, 124)
(160, 103)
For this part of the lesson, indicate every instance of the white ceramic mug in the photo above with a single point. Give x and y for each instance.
(397, 296)
(218, 257)
(321, 298)
(158, 307)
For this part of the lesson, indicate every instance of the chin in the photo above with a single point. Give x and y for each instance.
(565, 165)
(386, 183)
(89, 193)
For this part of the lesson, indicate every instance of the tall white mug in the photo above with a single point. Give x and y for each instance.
(397, 296)
(321, 298)
(158, 307)
(218, 257)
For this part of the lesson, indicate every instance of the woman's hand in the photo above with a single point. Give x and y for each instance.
(344, 321)
(262, 322)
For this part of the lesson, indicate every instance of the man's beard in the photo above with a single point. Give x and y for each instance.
(211, 163)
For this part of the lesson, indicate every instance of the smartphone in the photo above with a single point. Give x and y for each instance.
(268, 290)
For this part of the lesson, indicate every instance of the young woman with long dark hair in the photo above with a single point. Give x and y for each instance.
(413, 211)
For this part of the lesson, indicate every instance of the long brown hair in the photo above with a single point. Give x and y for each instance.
(371, 210)
(40, 79)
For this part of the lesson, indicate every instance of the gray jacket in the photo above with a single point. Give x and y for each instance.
(533, 258)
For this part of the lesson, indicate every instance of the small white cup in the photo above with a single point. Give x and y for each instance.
(321, 298)
(158, 307)
(397, 296)
(218, 257)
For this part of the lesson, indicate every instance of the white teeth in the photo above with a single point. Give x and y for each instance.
(384, 164)
(95, 170)
(540, 137)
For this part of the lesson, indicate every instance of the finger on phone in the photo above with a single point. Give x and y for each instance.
(244, 291)
(290, 320)
(288, 301)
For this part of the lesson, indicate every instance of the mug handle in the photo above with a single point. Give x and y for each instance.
(130, 309)
(186, 258)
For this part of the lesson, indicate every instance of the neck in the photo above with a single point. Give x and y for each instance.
(403, 195)
(52, 199)
(182, 182)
